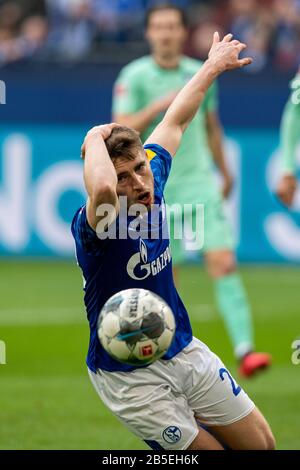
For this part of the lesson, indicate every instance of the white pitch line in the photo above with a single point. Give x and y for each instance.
(43, 316)
(202, 313)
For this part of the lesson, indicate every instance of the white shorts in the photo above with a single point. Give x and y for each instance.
(161, 403)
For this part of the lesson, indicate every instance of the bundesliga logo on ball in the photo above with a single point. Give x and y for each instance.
(136, 327)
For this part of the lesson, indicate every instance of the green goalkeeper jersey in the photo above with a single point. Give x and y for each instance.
(141, 83)
(290, 128)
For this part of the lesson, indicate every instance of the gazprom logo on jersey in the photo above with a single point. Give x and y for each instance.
(138, 267)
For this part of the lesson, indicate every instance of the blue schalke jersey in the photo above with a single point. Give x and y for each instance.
(139, 260)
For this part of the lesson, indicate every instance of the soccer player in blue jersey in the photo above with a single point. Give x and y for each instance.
(187, 399)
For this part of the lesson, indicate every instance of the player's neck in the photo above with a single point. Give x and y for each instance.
(167, 62)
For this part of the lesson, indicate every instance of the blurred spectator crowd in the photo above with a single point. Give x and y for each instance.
(69, 30)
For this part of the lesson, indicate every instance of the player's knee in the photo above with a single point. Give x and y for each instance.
(271, 443)
(265, 438)
(265, 442)
(269, 440)
(221, 264)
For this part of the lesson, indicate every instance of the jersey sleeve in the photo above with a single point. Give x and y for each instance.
(126, 93)
(85, 237)
(210, 103)
(160, 162)
(289, 135)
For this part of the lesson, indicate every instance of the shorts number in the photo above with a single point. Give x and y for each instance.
(235, 388)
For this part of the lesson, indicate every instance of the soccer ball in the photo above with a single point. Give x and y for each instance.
(136, 326)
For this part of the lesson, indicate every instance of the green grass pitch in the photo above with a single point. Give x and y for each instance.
(47, 401)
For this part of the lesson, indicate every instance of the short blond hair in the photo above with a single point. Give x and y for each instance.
(123, 143)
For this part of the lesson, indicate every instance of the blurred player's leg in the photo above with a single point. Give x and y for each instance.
(232, 300)
(230, 292)
(235, 309)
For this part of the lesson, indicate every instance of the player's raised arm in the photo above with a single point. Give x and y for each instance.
(99, 174)
(223, 55)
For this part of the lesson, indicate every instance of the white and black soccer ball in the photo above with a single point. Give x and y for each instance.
(136, 327)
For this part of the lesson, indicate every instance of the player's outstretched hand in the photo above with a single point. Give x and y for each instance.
(286, 189)
(225, 54)
(102, 131)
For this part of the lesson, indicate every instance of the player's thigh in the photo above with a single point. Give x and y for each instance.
(145, 402)
(250, 433)
(213, 394)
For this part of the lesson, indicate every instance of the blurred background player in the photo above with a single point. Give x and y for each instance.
(140, 105)
(290, 137)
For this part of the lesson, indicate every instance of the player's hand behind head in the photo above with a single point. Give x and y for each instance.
(286, 189)
(225, 54)
(103, 131)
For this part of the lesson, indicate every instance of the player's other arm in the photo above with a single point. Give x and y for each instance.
(143, 118)
(99, 176)
(128, 107)
(224, 55)
(215, 142)
(289, 136)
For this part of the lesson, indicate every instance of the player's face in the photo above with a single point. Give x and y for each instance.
(135, 180)
(166, 33)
